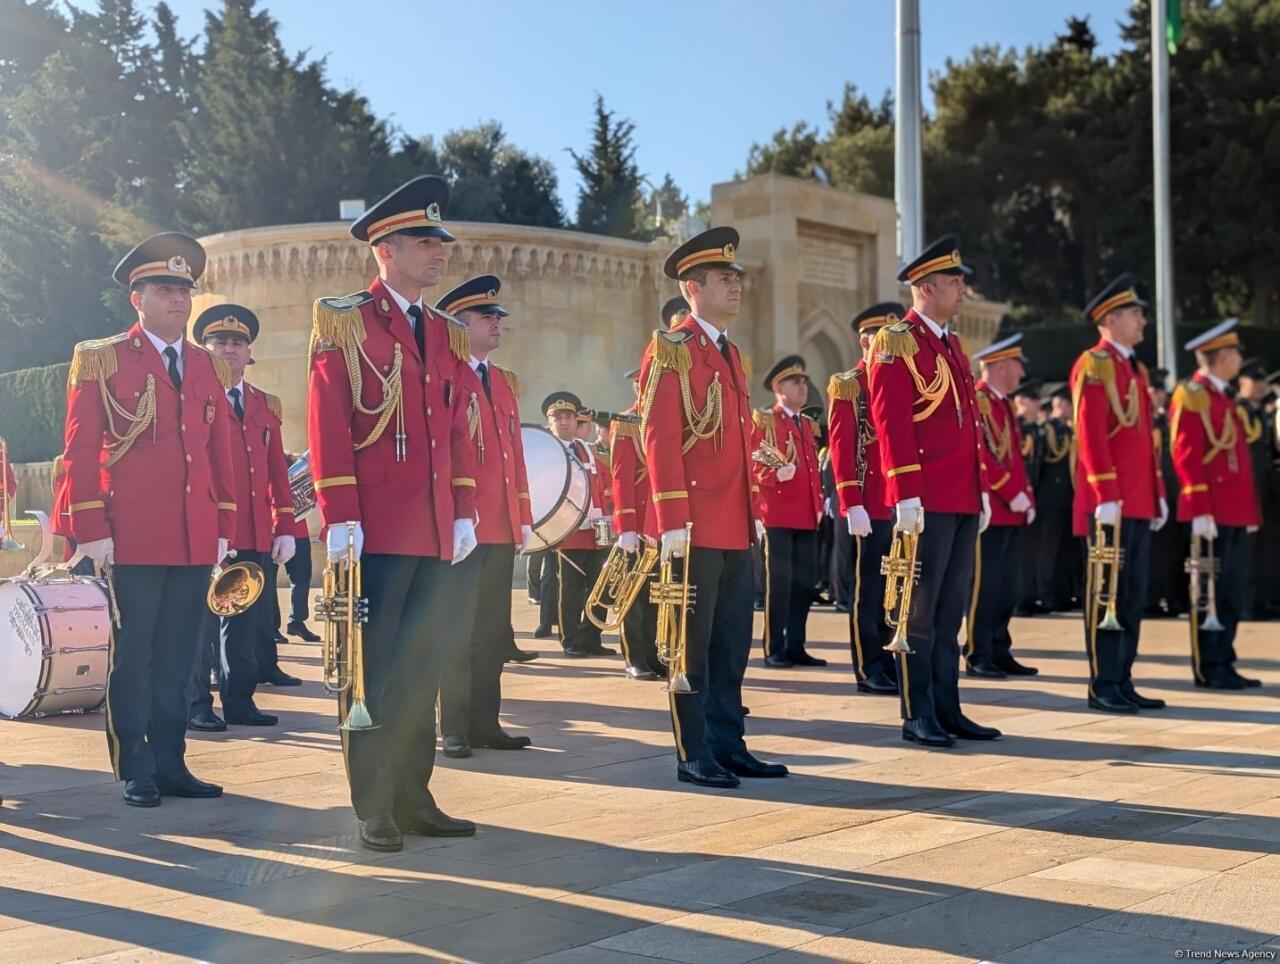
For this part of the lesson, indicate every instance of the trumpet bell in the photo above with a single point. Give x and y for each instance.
(1212, 624)
(234, 589)
(899, 644)
(679, 683)
(358, 718)
(1110, 622)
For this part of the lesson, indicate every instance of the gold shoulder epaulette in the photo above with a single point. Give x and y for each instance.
(94, 360)
(748, 369)
(513, 380)
(895, 341)
(763, 417)
(459, 335)
(1191, 397)
(843, 387)
(273, 403)
(1099, 366)
(220, 367)
(671, 350)
(337, 322)
(624, 427)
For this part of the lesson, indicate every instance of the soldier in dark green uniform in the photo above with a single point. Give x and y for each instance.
(1026, 402)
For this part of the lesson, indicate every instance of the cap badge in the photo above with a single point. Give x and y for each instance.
(433, 212)
(729, 252)
(178, 263)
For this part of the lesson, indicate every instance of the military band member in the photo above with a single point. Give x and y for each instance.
(298, 570)
(859, 481)
(1256, 407)
(9, 493)
(1216, 495)
(1027, 407)
(471, 689)
(1118, 484)
(697, 431)
(791, 507)
(925, 415)
(151, 496)
(998, 567)
(674, 311)
(391, 453)
(1167, 584)
(1057, 563)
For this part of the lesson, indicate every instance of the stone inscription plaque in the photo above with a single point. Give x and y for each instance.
(826, 261)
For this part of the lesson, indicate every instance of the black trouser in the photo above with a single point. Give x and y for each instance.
(1213, 652)
(868, 632)
(471, 690)
(1112, 652)
(709, 721)
(1021, 566)
(639, 632)
(929, 677)
(578, 569)
(842, 563)
(1262, 549)
(298, 570)
(241, 649)
(995, 594)
(416, 605)
(758, 577)
(823, 553)
(549, 589)
(790, 563)
(149, 666)
(199, 691)
(534, 564)
(1055, 562)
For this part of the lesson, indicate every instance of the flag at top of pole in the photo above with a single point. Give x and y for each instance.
(1173, 24)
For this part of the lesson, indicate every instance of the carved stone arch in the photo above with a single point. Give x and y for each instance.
(826, 346)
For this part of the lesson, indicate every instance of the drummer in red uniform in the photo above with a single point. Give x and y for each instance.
(471, 688)
(859, 481)
(697, 431)
(151, 496)
(1118, 483)
(1217, 496)
(791, 505)
(397, 463)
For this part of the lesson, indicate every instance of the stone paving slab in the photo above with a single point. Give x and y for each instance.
(1076, 837)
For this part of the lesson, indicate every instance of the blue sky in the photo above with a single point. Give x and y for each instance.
(701, 80)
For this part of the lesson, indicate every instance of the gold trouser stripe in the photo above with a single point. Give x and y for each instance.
(1090, 618)
(904, 681)
(973, 599)
(344, 707)
(856, 609)
(560, 595)
(113, 741)
(1195, 641)
(768, 643)
(675, 728)
(622, 638)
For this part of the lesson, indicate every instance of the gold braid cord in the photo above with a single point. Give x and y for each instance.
(669, 355)
(336, 324)
(897, 341)
(1191, 397)
(475, 429)
(1056, 450)
(998, 441)
(1100, 368)
(95, 361)
(1252, 426)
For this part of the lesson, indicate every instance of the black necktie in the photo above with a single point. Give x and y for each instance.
(235, 403)
(723, 344)
(175, 376)
(796, 419)
(419, 335)
(483, 371)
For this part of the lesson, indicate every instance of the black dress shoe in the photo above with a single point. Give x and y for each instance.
(542, 632)
(1140, 701)
(777, 662)
(842, 607)
(456, 747)
(804, 659)
(573, 652)
(518, 655)
(253, 718)
(277, 639)
(142, 792)
(278, 677)
(926, 732)
(963, 727)
(303, 632)
(878, 682)
(381, 833)
(431, 821)
(1248, 681)
(1221, 681)
(601, 651)
(501, 740)
(706, 773)
(985, 669)
(206, 721)
(1012, 667)
(185, 784)
(635, 672)
(743, 764)
(1112, 703)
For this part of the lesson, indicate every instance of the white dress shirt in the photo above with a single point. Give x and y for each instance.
(404, 303)
(160, 345)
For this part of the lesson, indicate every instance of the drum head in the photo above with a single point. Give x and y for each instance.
(548, 471)
(21, 649)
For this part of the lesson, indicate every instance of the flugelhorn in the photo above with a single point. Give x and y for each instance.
(901, 569)
(1202, 568)
(619, 585)
(1105, 560)
(302, 486)
(770, 456)
(674, 596)
(344, 612)
(234, 589)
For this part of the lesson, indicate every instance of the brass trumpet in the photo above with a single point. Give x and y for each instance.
(235, 588)
(1105, 560)
(344, 612)
(901, 570)
(674, 597)
(770, 456)
(1202, 568)
(618, 586)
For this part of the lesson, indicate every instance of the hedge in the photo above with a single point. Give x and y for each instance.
(33, 407)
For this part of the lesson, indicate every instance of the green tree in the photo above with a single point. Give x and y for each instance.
(494, 181)
(609, 200)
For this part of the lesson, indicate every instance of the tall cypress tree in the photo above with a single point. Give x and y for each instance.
(609, 200)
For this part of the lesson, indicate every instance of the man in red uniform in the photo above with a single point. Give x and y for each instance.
(471, 690)
(697, 432)
(926, 417)
(996, 578)
(1217, 496)
(151, 496)
(1118, 484)
(791, 505)
(859, 481)
(264, 523)
(9, 486)
(387, 423)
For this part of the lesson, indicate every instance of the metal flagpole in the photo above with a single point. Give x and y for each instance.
(1167, 350)
(908, 182)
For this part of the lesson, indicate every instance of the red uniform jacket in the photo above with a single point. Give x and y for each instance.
(1211, 456)
(147, 464)
(299, 530)
(925, 415)
(11, 483)
(709, 485)
(406, 504)
(849, 413)
(1002, 456)
(502, 487)
(263, 500)
(632, 505)
(1117, 457)
(796, 503)
(600, 497)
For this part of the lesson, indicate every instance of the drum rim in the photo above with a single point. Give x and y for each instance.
(562, 499)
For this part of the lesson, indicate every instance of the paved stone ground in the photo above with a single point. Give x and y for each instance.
(1077, 837)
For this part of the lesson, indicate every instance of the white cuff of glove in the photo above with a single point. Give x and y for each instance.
(224, 550)
(675, 542)
(102, 552)
(786, 472)
(1108, 513)
(1031, 515)
(336, 541)
(1160, 520)
(282, 549)
(464, 539)
(526, 537)
(1019, 503)
(759, 531)
(1203, 526)
(858, 520)
(910, 516)
(984, 516)
(629, 542)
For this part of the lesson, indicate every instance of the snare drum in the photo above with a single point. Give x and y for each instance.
(53, 645)
(559, 488)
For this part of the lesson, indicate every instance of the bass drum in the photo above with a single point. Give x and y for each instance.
(559, 488)
(53, 646)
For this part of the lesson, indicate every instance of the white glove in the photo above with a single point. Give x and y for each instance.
(336, 541)
(282, 549)
(1159, 522)
(827, 508)
(984, 517)
(1019, 503)
(629, 542)
(1031, 515)
(526, 537)
(224, 549)
(759, 531)
(675, 542)
(859, 521)
(786, 472)
(464, 539)
(1252, 530)
(910, 516)
(1204, 526)
(101, 551)
(1108, 513)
